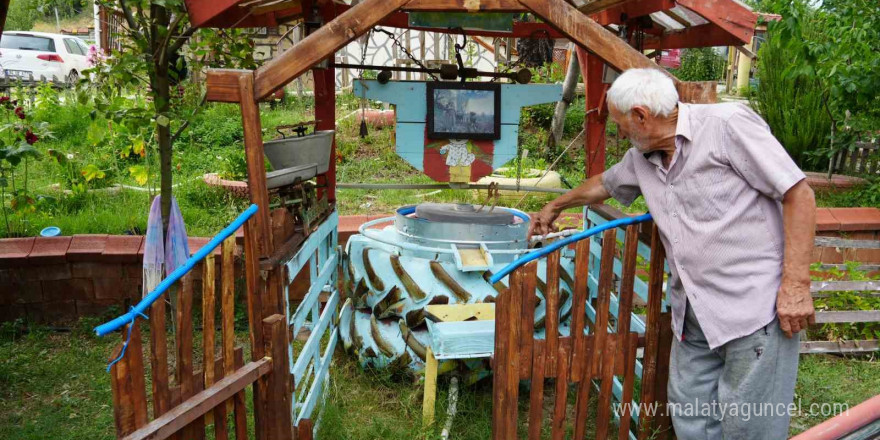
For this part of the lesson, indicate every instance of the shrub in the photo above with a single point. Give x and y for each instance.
(790, 96)
(702, 64)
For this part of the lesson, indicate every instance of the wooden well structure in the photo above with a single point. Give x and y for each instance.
(287, 384)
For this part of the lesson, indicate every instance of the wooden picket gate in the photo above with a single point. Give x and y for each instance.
(591, 352)
(188, 393)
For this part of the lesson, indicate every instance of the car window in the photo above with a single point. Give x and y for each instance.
(72, 47)
(27, 42)
(82, 47)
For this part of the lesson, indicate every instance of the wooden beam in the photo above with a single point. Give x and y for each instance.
(591, 35)
(256, 165)
(199, 404)
(676, 18)
(704, 35)
(222, 84)
(746, 51)
(734, 17)
(321, 44)
(847, 316)
(632, 9)
(844, 243)
(599, 5)
(465, 5)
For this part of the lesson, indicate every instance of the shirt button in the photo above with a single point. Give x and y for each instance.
(671, 185)
(675, 214)
(676, 240)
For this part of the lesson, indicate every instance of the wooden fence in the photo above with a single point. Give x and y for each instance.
(195, 387)
(601, 349)
(864, 158)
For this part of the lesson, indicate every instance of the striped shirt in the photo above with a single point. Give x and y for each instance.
(719, 212)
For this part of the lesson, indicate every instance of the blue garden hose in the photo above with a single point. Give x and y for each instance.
(178, 273)
(541, 252)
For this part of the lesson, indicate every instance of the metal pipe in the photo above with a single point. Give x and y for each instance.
(364, 229)
(844, 423)
(534, 255)
(178, 273)
(378, 186)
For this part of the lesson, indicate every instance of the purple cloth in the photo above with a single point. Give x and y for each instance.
(176, 242)
(719, 213)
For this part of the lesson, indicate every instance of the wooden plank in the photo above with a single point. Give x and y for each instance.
(603, 409)
(629, 382)
(704, 35)
(227, 307)
(505, 382)
(464, 6)
(222, 85)
(460, 312)
(595, 6)
(585, 384)
(536, 394)
(184, 344)
(208, 327)
(320, 44)
(839, 286)
(823, 317)
(278, 381)
(256, 167)
(430, 393)
(652, 331)
(844, 243)
(734, 17)
(240, 414)
(254, 289)
(304, 431)
(159, 359)
(840, 346)
(551, 319)
(135, 355)
(606, 280)
(527, 323)
(582, 30)
(578, 308)
(562, 363)
(862, 268)
(663, 422)
(627, 279)
(199, 404)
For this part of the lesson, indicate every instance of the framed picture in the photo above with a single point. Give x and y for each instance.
(458, 110)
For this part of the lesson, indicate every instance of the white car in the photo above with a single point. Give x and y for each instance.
(30, 55)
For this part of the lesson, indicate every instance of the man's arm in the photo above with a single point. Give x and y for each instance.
(794, 305)
(589, 192)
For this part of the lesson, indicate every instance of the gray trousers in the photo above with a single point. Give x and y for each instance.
(741, 390)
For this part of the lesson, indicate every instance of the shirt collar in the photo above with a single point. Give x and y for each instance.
(683, 126)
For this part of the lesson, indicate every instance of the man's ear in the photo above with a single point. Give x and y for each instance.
(639, 114)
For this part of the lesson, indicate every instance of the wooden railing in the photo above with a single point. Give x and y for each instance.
(597, 348)
(195, 387)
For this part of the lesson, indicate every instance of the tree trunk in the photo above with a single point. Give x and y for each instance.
(568, 89)
(160, 83)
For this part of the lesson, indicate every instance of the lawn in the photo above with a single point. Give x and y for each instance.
(53, 385)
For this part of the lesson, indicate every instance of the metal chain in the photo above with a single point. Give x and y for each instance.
(403, 49)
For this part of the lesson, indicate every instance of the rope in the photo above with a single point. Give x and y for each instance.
(135, 314)
(550, 168)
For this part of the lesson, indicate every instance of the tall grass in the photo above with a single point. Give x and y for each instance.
(791, 97)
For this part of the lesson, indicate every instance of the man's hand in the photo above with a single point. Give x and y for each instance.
(794, 306)
(542, 222)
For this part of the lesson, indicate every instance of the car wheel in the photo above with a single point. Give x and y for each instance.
(72, 78)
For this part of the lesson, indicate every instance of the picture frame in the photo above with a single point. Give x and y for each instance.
(463, 110)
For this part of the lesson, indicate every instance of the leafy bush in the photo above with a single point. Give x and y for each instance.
(791, 97)
(702, 64)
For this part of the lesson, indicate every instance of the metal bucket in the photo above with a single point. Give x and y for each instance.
(295, 152)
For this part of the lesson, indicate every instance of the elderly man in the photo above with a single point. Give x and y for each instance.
(737, 220)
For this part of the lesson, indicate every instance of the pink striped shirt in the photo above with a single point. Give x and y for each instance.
(719, 211)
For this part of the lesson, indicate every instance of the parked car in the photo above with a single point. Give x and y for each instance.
(30, 55)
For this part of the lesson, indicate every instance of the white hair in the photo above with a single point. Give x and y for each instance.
(649, 88)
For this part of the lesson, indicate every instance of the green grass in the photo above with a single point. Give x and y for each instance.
(53, 385)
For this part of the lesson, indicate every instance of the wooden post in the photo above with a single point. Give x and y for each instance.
(430, 394)
(652, 331)
(594, 126)
(325, 113)
(253, 146)
(279, 391)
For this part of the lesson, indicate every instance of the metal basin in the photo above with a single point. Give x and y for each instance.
(298, 152)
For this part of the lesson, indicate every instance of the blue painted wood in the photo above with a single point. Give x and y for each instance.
(409, 97)
(321, 377)
(313, 344)
(462, 339)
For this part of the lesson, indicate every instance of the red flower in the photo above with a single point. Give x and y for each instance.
(30, 137)
(19, 112)
(4, 99)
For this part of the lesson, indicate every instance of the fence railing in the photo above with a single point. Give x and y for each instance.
(195, 385)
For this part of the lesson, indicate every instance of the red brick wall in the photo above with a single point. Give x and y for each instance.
(58, 279)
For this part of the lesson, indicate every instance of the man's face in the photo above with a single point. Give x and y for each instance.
(639, 126)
